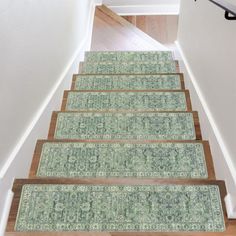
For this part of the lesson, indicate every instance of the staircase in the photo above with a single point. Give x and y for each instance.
(124, 156)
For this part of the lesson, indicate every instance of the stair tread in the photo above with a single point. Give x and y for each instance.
(128, 67)
(126, 100)
(125, 125)
(126, 82)
(106, 159)
(193, 205)
(125, 56)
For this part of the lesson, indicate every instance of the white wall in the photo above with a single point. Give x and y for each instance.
(144, 7)
(41, 44)
(207, 42)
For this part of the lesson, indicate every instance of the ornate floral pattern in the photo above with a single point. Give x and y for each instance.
(161, 208)
(156, 160)
(129, 67)
(127, 82)
(124, 208)
(127, 56)
(125, 126)
(139, 101)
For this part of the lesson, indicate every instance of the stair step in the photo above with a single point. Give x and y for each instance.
(129, 67)
(112, 206)
(126, 100)
(67, 159)
(128, 82)
(126, 56)
(125, 126)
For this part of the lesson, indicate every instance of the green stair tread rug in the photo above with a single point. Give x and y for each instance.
(139, 101)
(127, 82)
(129, 67)
(125, 126)
(124, 208)
(156, 160)
(126, 56)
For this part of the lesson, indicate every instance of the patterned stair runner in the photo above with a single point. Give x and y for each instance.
(125, 126)
(167, 208)
(128, 82)
(129, 68)
(142, 160)
(124, 155)
(128, 56)
(115, 101)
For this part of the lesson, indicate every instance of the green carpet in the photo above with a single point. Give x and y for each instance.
(128, 56)
(129, 67)
(163, 208)
(156, 160)
(120, 126)
(139, 101)
(127, 82)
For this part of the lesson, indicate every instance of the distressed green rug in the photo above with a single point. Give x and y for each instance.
(114, 101)
(129, 67)
(120, 126)
(161, 208)
(127, 82)
(156, 160)
(127, 56)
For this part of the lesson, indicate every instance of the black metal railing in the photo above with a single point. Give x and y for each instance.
(230, 9)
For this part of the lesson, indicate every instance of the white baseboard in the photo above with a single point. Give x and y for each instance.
(222, 160)
(6, 209)
(14, 167)
(231, 206)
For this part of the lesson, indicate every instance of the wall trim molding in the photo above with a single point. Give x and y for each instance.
(5, 212)
(230, 203)
(158, 9)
